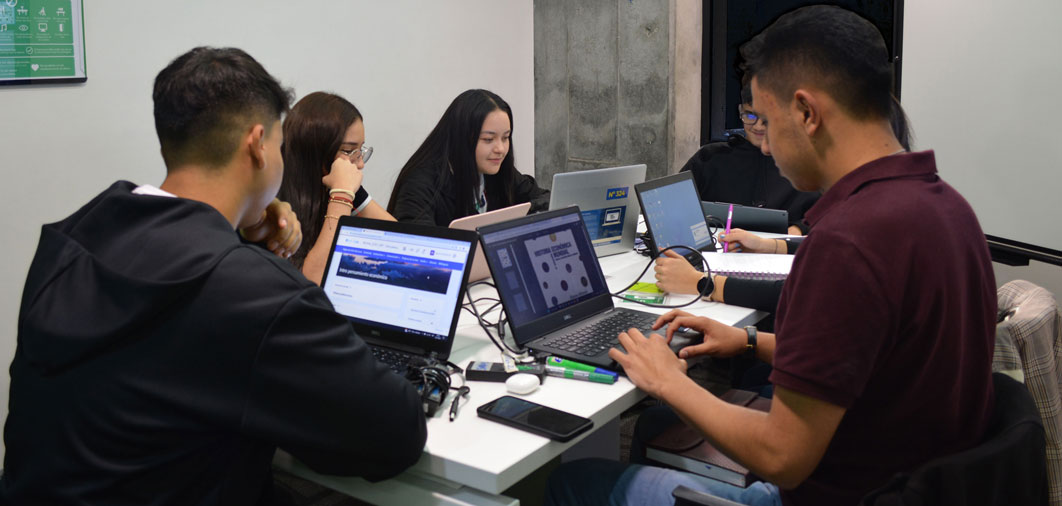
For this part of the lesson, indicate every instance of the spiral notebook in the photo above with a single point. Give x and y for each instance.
(750, 265)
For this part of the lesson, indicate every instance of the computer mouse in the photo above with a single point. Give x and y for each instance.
(522, 383)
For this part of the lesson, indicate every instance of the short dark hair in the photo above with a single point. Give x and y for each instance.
(203, 100)
(829, 47)
(746, 91)
(313, 133)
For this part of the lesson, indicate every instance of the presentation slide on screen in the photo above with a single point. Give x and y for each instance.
(396, 279)
(41, 39)
(558, 268)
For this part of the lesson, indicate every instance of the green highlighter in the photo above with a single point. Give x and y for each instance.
(577, 366)
(561, 372)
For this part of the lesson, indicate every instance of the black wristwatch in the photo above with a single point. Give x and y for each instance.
(706, 285)
(750, 347)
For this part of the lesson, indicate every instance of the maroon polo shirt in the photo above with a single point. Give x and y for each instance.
(889, 312)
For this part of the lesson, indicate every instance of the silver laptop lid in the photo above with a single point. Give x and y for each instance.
(606, 198)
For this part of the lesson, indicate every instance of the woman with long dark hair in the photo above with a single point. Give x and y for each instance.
(324, 154)
(465, 166)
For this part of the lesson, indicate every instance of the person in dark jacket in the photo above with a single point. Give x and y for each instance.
(162, 358)
(465, 166)
(737, 172)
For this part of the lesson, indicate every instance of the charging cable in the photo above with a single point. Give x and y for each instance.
(707, 289)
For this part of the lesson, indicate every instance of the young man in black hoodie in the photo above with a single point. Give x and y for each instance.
(162, 358)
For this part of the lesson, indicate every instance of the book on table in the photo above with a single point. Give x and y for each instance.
(683, 447)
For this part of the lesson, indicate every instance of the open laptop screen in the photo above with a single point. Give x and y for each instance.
(673, 212)
(396, 281)
(542, 266)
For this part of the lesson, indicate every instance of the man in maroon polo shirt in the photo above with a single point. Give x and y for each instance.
(882, 357)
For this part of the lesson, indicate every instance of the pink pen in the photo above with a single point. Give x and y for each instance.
(729, 216)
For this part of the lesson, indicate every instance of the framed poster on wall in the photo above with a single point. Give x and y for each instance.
(42, 41)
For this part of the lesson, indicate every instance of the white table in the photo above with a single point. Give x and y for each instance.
(472, 460)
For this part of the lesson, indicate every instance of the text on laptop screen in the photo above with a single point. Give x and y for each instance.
(674, 215)
(544, 266)
(393, 280)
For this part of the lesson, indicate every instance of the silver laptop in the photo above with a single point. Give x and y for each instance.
(606, 198)
(479, 269)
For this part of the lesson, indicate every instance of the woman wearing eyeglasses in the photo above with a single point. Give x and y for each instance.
(324, 153)
(737, 172)
(465, 166)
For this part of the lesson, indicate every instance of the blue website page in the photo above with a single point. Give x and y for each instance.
(395, 280)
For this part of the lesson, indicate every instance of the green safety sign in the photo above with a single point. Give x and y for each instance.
(38, 39)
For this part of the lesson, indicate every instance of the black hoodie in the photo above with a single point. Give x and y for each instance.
(161, 360)
(737, 172)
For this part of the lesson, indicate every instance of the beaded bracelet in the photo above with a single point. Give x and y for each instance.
(342, 201)
(334, 217)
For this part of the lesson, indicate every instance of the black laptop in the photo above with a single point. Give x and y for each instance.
(552, 288)
(673, 216)
(400, 285)
(759, 219)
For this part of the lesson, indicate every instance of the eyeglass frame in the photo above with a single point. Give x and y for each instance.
(364, 153)
(756, 117)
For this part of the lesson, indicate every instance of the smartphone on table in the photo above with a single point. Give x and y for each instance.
(535, 418)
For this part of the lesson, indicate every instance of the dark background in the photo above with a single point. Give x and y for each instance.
(730, 23)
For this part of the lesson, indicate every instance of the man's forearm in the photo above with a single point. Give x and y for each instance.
(783, 446)
(765, 347)
(741, 433)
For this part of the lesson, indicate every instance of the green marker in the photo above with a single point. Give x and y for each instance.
(561, 372)
(576, 366)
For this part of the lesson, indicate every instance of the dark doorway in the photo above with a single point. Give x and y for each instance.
(730, 23)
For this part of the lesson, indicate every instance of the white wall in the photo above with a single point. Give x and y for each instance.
(400, 61)
(981, 85)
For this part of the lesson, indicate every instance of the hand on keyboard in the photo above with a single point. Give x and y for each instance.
(719, 340)
(648, 361)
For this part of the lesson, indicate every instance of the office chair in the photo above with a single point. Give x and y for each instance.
(1029, 347)
(1008, 468)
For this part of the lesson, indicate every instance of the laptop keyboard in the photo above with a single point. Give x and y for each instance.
(592, 340)
(396, 360)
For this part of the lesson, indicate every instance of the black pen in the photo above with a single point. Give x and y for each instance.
(461, 392)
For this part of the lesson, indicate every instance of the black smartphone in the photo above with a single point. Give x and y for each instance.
(535, 418)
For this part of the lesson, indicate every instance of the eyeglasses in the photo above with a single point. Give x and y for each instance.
(749, 117)
(363, 153)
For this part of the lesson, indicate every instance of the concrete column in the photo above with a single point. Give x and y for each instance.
(617, 82)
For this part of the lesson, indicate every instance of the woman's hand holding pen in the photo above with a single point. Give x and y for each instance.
(747, 242)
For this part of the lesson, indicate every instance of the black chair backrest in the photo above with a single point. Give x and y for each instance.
(1008, 468)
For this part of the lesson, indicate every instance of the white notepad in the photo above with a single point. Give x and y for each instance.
(750, 265)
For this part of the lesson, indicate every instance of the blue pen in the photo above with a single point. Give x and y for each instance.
(568, 364)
